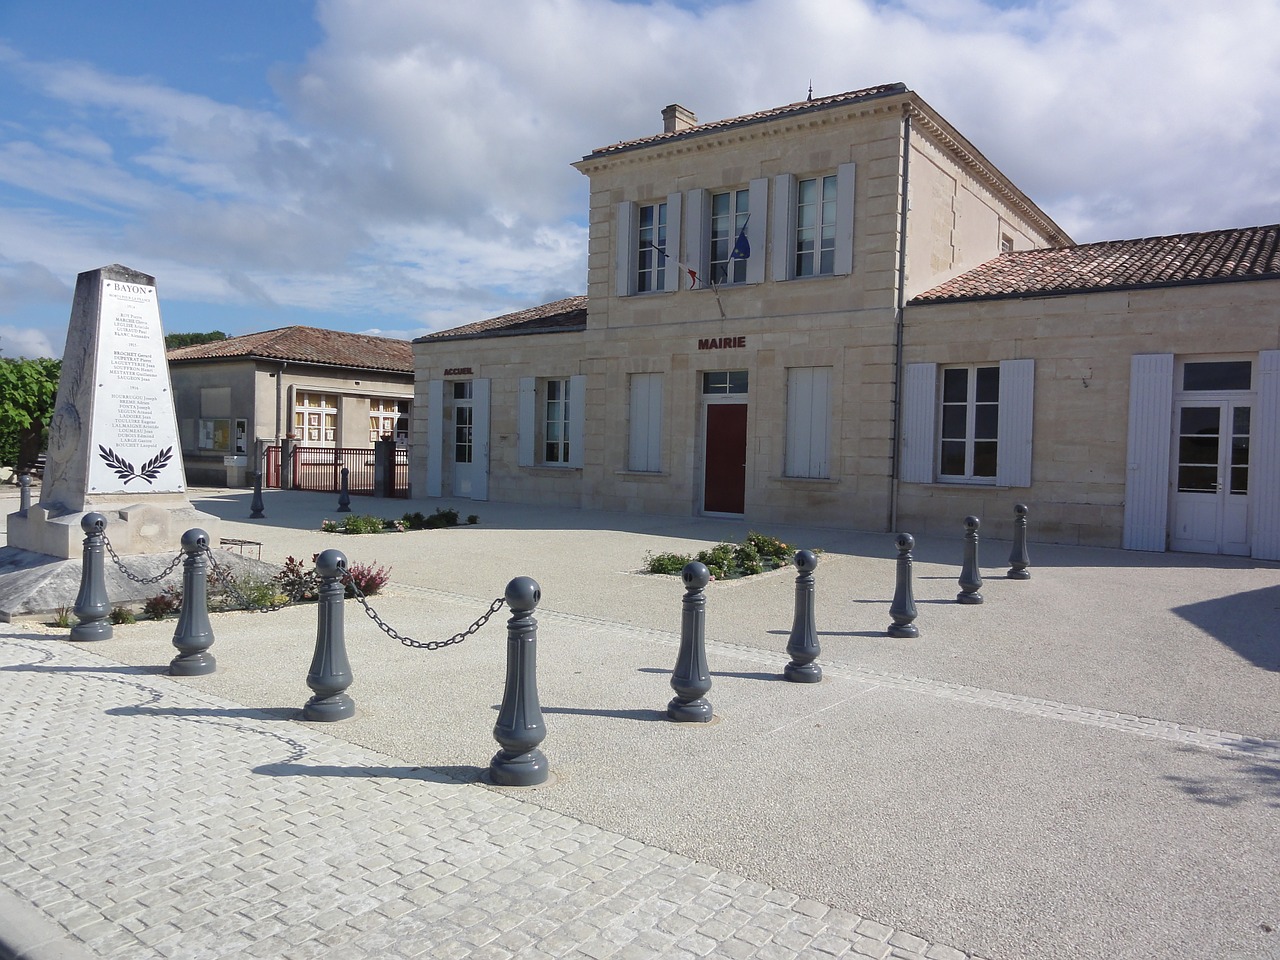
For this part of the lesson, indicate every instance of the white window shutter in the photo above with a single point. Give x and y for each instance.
(526, 414)
(698, 231)
(1146, 488)
(577, 417)
(1264, 479)
(480, 439)
(671, 281)
(758, 207)
(919, 388)
(1017, 396)
(435, 435)
(645, 426)
(624, 249)
(808, 422)
(784, 258)
(845, 187)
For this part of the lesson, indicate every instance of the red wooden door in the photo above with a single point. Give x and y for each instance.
(725, 474)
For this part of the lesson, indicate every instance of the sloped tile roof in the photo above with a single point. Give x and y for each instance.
(332, 348)
(804, 106)
(559, 316)
(1247, 253)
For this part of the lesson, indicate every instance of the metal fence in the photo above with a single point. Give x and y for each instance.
(320, 468)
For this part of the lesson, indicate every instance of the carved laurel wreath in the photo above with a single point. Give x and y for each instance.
(124, 469)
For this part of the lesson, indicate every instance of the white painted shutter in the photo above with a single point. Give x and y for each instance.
(1146, 488)
(645, 427)
(919, 386)
(435, 435)
(1017, 396)
(526, 421)
(577, 416)
(808, 422)
(624, 240)
(757, 225)
(784, 187)
(480, 439)
(1264, 472)
(844, 218)
(698, 231)
(671, 280)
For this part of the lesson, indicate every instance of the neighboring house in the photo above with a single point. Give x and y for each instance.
(747, 348)
(323, 387)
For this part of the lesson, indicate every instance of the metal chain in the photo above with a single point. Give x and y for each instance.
(136, 579)
(394, 634)
(225, 577)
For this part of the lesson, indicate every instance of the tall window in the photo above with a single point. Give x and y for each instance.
(729, 213)
(651, 267)
(555, 432)
(815, 227)
(463, 422)
(970, 420)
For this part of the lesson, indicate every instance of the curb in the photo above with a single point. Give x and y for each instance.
(27, 934)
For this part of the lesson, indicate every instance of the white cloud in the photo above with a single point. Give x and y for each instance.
(23, 342)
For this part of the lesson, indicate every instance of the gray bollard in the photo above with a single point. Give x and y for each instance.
(24, 492)
(970, 574)
(1018, 559)
(903, 608)
(330, 673)
(344, 498)
(803, 645)
(519, 728)
(691, 678)
(256, 506)
(92, 604)
(194, 634)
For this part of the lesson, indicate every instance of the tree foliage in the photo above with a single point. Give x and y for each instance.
(28, 389)
(172, 340)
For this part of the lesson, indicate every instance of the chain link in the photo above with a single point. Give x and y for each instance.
(134, 577)
(394, 634)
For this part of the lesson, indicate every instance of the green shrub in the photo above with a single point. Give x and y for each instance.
(746, 558)
(769, 548)
(718, 560)
(122, 615)
(665, 562)
(298, 582)
(167, 601)
(62, 617)
(366, 524)
(472, 518)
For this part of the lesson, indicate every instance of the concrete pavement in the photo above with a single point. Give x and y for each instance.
(1084, 766)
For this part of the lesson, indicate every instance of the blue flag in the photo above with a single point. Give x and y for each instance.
(741, 248)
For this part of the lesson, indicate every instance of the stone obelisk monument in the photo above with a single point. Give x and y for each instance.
(113, 440)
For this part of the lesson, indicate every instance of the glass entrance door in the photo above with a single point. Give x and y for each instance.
(1211, 477)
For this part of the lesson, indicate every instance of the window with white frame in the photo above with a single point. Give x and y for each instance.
(651, 248)
(315, 417)
(389, 417)
(808, 422)
(968, 424)
(812, 224)
(815, 241)
(550, 421)
(644, 447)
(730, 249)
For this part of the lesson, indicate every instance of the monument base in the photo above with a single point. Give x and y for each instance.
(133, 528)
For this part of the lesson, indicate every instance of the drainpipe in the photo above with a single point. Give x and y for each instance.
(899, 325)
(280, 399)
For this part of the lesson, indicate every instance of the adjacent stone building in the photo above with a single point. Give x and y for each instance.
(325, 388)
(840, 312)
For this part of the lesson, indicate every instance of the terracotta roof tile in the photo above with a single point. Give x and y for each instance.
(559, 316)
(308, 345)
(1246, 253)
(804, 106)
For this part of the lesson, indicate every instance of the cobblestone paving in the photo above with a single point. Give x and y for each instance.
(151, 820)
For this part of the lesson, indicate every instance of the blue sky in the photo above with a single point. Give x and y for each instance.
(403, 166)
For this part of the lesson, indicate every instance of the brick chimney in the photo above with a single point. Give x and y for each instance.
(676, 118)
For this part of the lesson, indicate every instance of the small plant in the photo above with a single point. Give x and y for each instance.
(718, 560)
(298, 582)
(167, 601)
(472, 518)
(62, 617)
(665, 562)
(769, 548)
(369, 578)
(329, 526)
(746, 558)
(367, 524)
(121, 615)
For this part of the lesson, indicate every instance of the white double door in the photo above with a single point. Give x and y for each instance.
(1211, 476)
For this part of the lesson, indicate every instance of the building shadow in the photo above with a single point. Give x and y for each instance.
(1245, 622)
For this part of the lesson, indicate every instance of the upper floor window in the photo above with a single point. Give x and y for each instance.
(651, 248)
(815, 227)
(730, 248)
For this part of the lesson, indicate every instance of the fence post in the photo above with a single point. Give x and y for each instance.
(970, 572)
(803, 645)
(194, 634)
(903, 608)
(92, 604)
(384, 467)
(344, 498)
(520, 728)
(330, 673)
(1018, 559)
(691, 678)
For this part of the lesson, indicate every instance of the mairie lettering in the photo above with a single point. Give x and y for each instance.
(721, 343)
